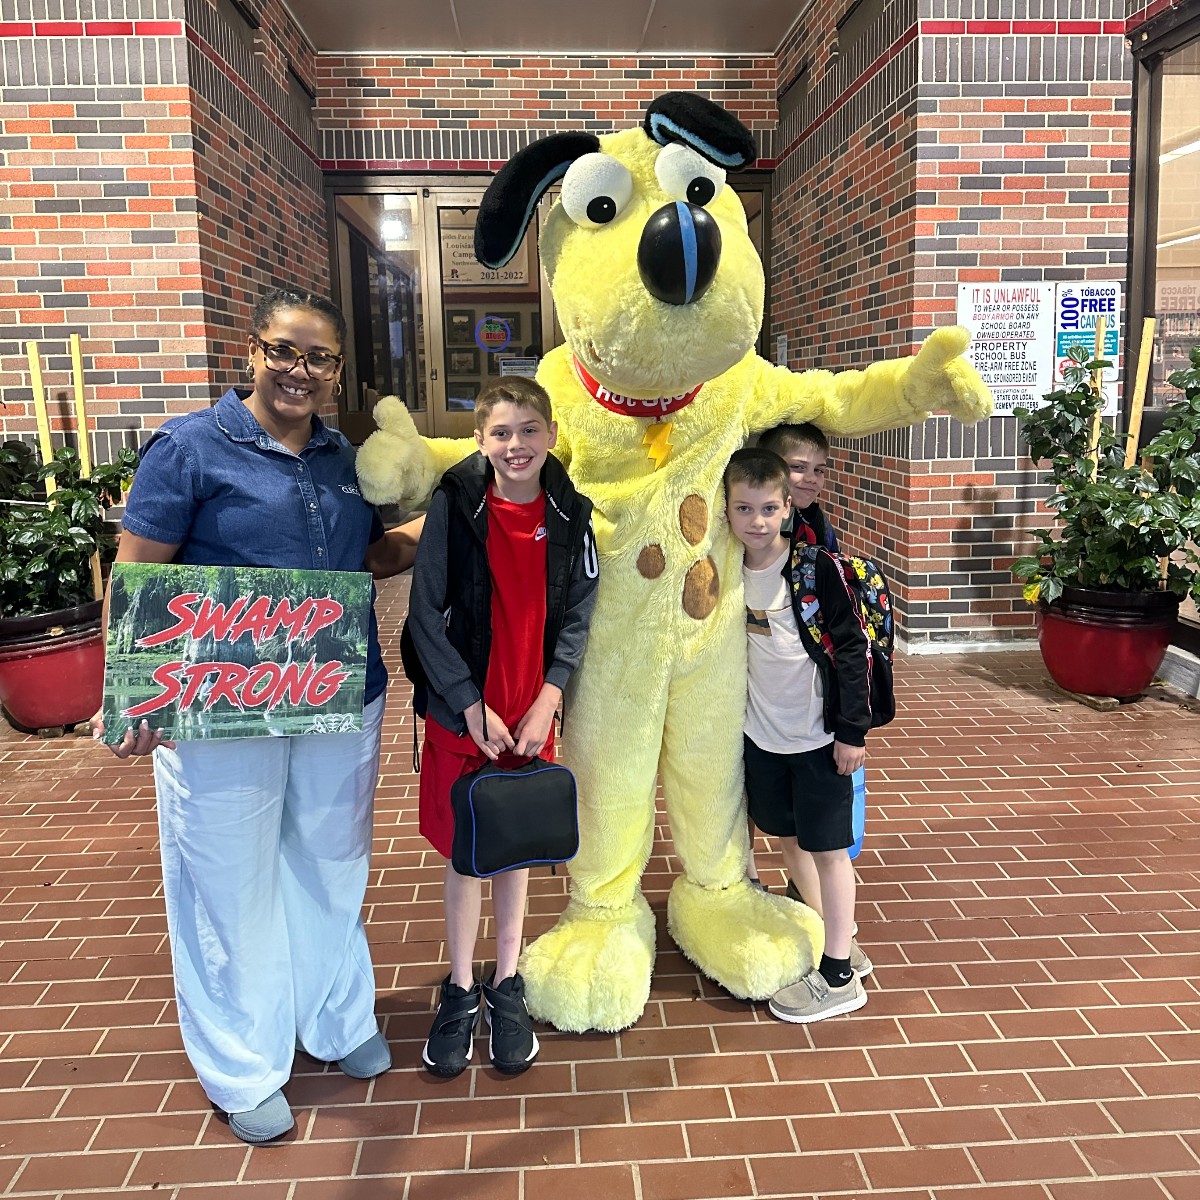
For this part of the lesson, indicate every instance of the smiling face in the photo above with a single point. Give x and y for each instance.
(806, 473)
(515, 439)
(284, 401)
(631, 341)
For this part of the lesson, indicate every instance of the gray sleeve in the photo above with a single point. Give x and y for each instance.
(581, 599)
(449, 675)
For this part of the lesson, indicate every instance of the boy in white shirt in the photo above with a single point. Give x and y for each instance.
(806, 722)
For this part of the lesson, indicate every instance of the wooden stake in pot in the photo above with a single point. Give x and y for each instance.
(85, 447)
(1145, 354)
(34, 354)
(1094, 445)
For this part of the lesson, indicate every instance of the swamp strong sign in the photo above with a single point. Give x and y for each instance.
(214, 652)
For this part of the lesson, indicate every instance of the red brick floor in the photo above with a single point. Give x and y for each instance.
(1030, 895)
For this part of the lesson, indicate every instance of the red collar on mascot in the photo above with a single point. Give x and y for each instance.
(630, 406)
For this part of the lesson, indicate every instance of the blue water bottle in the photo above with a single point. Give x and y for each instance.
(859, 815)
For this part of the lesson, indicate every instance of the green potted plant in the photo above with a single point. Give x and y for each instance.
(51, 643)
(1108, 578)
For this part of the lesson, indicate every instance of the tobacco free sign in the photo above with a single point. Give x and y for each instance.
(213, 652)
(1078, 308)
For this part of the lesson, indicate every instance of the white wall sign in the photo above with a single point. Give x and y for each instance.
(461, 267)
(518, 365)
(1012, 339)
(1077, 309)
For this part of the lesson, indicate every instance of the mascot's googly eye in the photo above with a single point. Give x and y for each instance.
(595, 189)
(685, 175)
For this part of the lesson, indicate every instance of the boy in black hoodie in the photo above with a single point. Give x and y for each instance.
(805, 449)
(502, 592)
(806, 723)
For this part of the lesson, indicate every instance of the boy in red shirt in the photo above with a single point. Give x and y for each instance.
(502, 592)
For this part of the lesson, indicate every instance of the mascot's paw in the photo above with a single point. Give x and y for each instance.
(592, 970)
(394, 465)
(940, 378)
(752, 943)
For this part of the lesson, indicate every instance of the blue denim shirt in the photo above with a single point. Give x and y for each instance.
(215, 483)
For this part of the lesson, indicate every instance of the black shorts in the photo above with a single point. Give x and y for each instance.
(800, 796)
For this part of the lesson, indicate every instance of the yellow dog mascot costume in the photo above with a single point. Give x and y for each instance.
(660, 296)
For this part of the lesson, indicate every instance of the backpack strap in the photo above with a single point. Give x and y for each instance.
(803, 582)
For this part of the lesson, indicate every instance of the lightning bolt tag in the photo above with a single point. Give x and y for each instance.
(658, 442)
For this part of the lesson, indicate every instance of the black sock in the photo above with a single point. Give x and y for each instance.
(836, 971)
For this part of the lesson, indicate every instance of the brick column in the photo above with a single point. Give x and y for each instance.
(100, 231)
(1022, 175)
(992, 150)
(158, 175)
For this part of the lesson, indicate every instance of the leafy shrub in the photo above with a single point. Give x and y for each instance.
(1115, 523)
(46, 543)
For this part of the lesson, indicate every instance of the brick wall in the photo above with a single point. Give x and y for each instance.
(447, 112)
(165, 172)
(844, 244)
(259, 186)
(993, 149)
(99, 221)
(158, 176)
(1022, 175)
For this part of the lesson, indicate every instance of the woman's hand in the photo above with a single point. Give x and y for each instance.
(143, 740)
(498, 738)
(534, 727)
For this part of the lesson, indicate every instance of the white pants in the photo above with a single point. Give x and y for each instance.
(266, 845)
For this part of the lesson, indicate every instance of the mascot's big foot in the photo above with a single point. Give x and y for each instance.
(750, 942)
(592, 970)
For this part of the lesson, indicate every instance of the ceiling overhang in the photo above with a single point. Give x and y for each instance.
(725, 28)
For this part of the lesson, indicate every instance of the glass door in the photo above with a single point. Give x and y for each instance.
(380, 254)
(429, 323)
(488, 323)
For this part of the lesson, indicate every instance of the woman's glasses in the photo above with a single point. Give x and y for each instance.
(318, 364)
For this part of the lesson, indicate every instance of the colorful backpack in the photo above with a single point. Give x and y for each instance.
(869, 589)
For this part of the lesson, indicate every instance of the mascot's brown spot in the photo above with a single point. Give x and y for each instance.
(693, 519)
(651, 562)
(701, 587)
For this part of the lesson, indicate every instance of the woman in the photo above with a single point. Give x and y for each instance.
(266, 840)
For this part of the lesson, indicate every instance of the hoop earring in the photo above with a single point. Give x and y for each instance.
(337, 389)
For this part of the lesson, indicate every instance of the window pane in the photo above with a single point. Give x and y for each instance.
(380, 286)
(1177, 274)
(491, 319)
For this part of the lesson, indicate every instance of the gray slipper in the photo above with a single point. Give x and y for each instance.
(269, 1120)
(372, 1058)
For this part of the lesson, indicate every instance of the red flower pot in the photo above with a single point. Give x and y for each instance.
(1104, 643)
(52, 667)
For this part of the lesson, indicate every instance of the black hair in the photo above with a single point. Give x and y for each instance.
(783, 438)
(758, 468)
(280, 298)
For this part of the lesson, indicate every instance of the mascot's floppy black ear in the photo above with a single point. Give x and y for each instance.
(507, 205)
(708, 128)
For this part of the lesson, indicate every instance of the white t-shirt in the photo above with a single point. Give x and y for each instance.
(785, 699)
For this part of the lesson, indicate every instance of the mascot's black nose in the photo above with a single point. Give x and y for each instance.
(679, 252)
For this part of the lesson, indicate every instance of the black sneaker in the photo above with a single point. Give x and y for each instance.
(448, 1049)
(513, 1045)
